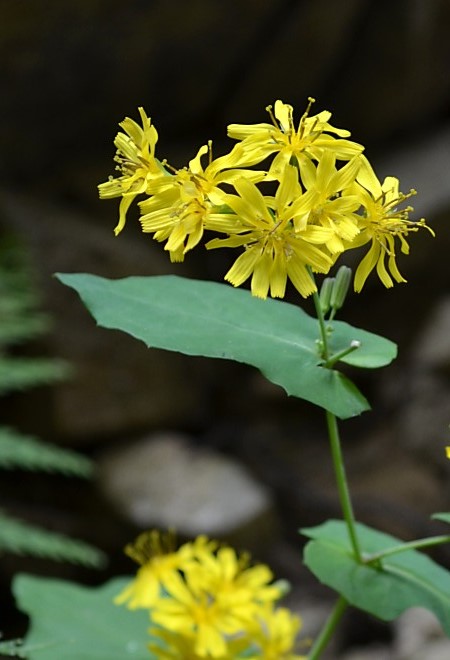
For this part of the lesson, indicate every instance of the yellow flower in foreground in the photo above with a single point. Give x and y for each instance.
(382, 223)
(215, 602)
(227, 574)
(136, 160)
(275, 635)
(447, 452)
(208, 602)
(205, 618)
(159, 560)
(275, 249)
(171, 646)
(309, 140)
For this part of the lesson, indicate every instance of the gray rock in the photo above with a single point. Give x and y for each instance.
(372, 652)
(419, 636)
(166, 481)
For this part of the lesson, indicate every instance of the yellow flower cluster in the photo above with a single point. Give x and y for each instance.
(325, 199)
(206, 601)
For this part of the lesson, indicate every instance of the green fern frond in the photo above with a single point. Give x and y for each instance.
(19, 451)
(20, 373)
(20, 328)
(12, 648)
(21, 538)
(21, 320)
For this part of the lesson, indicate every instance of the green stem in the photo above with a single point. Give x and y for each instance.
(327, 631)
(338, 356)
(410, 545)
(323, 329)
(342, 485)
(336, 451)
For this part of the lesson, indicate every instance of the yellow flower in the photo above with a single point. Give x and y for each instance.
(182, 203)
(159, 560)
(214, 602)
(275, 635)
(324, 203)
(136, 160)
(172, 646)
(227, 574)
(309, 140)
(206, 619)
(381, 223)
(275, 247)
(447, 452)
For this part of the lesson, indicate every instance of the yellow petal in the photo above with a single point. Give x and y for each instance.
(123, 208)
(278, 278)
(261, 276)
(300, 277)
(368, 179)
(366, 266)
(243, 266)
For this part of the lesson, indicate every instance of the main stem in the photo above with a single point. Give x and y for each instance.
(336, 451)
(342, 485)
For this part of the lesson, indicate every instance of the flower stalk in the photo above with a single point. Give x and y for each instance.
(335, 445)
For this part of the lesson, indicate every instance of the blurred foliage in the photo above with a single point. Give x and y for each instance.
(19, 451)
(20, 322)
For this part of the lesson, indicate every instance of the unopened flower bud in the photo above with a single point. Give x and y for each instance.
(325, 294)
(340, 287)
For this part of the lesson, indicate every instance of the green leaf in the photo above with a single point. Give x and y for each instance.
(215, 320)
(22, 538)
(75, 622)
(400, 581)
(443, 517)
(29, 453)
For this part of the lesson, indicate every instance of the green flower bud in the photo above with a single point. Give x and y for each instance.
(340, 287)
(325, 294)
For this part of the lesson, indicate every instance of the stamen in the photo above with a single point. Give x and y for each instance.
(172, 169)
(210, 152)
(301, 123)
(150, 545)
(269, 109)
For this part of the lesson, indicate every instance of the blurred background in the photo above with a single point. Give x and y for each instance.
(187, 442)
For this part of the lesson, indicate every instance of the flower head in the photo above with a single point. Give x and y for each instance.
(275, 635)
(310, 139)
(324, 203)
(207, 601)
(381, 223)
(168, 645)
(207, 618)
(320, 208)
(216, 598)
(136, 161)
(182, 203)
(158, 559)
(275, 248)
